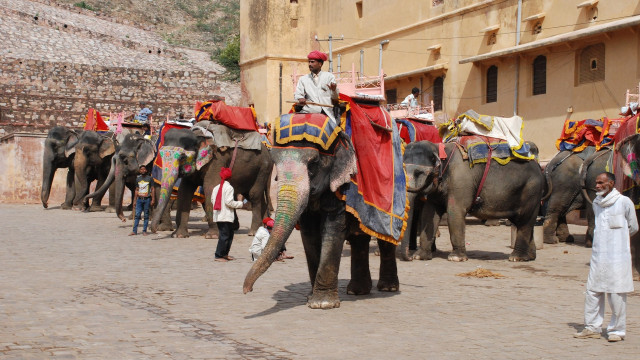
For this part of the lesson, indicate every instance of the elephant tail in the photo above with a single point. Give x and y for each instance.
(110, 178)
(549, 187)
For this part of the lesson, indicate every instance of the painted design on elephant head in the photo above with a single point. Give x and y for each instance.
(204, 156)
(175, 162)
(633, 166)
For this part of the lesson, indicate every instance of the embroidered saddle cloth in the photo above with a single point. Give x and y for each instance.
(315, 128)
(477, 148)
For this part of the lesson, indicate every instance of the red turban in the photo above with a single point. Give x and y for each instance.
(317, 55)
(268, 222)
(225, 173)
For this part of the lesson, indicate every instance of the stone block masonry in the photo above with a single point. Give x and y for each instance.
(38, 95)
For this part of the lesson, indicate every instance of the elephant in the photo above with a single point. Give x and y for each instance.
(450, 186)
(629, 148)
(54, 158)
(193, 156)
(92, 161)
(307, 181)
(563, 172)
(133, 152)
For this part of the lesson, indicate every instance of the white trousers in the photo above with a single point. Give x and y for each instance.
(255, 254)
(594, 312)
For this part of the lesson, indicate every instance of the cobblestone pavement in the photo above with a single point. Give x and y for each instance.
(74, 285)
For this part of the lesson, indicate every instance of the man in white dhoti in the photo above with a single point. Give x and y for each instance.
(318, 87)
(610, 267)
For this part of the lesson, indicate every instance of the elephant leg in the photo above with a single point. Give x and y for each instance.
(111, 208)
(97, 201)
(457, 233)
(635, 255)
(563, 230)
(402, 251)
(325, 287)
(525, 247)
(388, 280)
(360, 283)
(258, 209)
(185, 194)
(550, 228)
(591, 225)
(71, 190)
(310, 231)
(165, 221)
(430, 222)
(212, 233)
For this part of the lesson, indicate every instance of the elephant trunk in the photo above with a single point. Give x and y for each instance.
(48, 171)
(103, 189)
(170, 172)
(293, 196)
(402, 251)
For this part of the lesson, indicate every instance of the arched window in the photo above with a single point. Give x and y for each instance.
(492, 84)
(438, 91)
(540, 75)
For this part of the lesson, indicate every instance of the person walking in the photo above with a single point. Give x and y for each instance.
(223, 215)
(143, 198)
(610, 271)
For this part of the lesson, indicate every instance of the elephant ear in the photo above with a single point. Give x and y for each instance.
(146, 152)
(205, 155)
(70, 147)
(107, 147)
(344, 164)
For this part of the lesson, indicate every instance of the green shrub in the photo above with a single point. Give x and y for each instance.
(84, 5)
(229, 57)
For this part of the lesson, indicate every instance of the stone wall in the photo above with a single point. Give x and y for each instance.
(38, 95)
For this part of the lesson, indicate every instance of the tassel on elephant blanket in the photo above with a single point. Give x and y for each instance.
(377, 195)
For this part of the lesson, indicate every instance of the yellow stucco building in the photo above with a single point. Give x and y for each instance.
(545, 60)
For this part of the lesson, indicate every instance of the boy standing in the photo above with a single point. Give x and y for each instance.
(144, 198)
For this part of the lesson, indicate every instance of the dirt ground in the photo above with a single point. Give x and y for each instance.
(74, 285)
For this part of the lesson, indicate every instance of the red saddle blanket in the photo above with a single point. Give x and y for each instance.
(93, 121)
(625, 184)
(239, 118)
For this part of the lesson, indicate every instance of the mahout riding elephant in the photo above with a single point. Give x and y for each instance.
(307, 181)
(629, 151)
(133, 152)
(512, 191)
(92, 161)
(194, 156)
(55, 157)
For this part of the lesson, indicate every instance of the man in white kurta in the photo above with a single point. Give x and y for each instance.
(610, 271)
(318, 87)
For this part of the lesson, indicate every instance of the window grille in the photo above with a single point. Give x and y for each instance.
(391, 95)
(540, 75)
(492, 84)
(438, 91)
(591, 64)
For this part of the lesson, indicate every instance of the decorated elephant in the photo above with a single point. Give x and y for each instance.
(55, 157)
(133, 152)
(196, 156)
(92, 161)
(316, 183)
(511, 191)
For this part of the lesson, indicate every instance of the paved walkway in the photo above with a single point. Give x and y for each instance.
(74, 285)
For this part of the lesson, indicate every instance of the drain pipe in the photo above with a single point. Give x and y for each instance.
(515, 93)
(382, 43)
(361, 62)
(280, 84)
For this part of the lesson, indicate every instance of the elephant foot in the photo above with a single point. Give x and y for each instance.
(570, 239)
(211, 235)
(391, 285)
(516, 257)
(45, 205)
(423, 255)
(164, 227)
(128, 208)
(588, 243)
(110, 209)
(78, 208)
(180, 234)
(457, 257)
(324, 300)
(359, 287)
(403, 255)
(66, 206)
(95, 208)
(492, 222)
(550, 240)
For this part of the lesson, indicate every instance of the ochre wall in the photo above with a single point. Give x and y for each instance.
(411, 27)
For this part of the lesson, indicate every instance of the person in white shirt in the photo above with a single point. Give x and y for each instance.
(223, 214)
(260, 239)
(610, 273)
(412, 99)
(318, 87)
